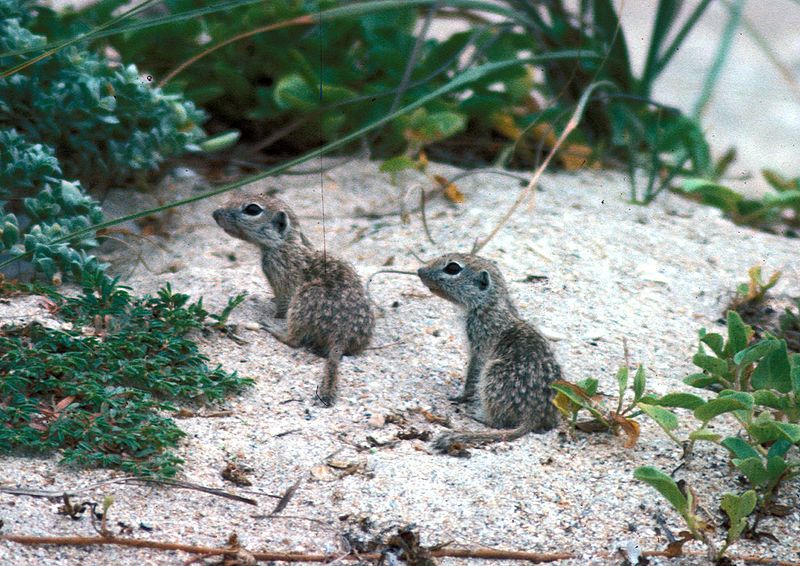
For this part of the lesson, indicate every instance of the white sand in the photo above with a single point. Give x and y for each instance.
(653, 275)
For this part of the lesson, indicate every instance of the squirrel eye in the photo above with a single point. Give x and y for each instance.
(452, 268)
(252, 210)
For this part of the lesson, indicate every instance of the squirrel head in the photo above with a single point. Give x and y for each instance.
(265, 221)
(467, 280)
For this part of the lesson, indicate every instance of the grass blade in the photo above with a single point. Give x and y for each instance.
(719, 60)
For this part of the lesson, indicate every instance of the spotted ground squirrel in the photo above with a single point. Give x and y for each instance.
(511, 365)
(321, 297)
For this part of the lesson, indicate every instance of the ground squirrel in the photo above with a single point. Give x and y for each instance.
(321, 297)
(511, 365)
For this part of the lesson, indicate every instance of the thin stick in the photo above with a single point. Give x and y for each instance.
(480, 553)
(132, 480)
(424, 218)
(574, 120)
(369, 280)
(299, 21)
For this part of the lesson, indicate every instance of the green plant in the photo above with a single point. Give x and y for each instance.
(103, 120)
(789, 325)
(265, 73)
(38, 206)
(757, 383)
(755, 289)
(781, 206)
(97, 387)
(572, 398)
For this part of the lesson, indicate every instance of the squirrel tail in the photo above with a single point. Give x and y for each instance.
(327, 389)
(449, 441)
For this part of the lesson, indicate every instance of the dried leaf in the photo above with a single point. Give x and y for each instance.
(453, 194)
(235, 475)
(505, 124)
(629, 426)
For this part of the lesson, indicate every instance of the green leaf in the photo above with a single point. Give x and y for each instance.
(397, 164)
(701, 380)
(711, 364)
(776, 466)
(713, 194)
(715, 342)
(755, 352)
(664, 418)
(773, 371)
(440, 125)
(717, 407)
(789, 431)
(795, 374)
(779, 449)
(293, 93)
(753, 469)
(739, 448)
(622, 380)
(665, 485)
(639, 384)
(589, 385)
(738, 333)
(787, 199)
(705, 434)
(768, 398)
(738, 508)
(680, 400)
(220, 141)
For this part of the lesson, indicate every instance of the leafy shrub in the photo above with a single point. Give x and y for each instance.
(267, 83)
(57, 207)
(96, 388)
(103, 121)
(758, 384)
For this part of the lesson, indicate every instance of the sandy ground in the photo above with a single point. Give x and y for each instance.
(611, 271)
(653, 275)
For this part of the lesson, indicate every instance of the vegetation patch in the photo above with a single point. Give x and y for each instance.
(100, 387)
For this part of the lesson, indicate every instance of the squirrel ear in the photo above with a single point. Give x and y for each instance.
(281, 222)
(483, 280)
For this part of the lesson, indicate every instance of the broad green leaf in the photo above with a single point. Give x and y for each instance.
(589, 385)
(753, 469)
(756, 351)
(397, 164)
(715, 342)
(680, 400)
(773, 371)
(739, 448)
(665, 485)
(293, 92)
(716, 407)
(779, 448)
(622, 380)
(768, 398)
(711, 364)
(664, 418)
(440, 125)
(738, 333)
(700, 380)
(742, 396)
(738, 508)
(639, 383)
(705, 434)
(789, 431)
(776, 466)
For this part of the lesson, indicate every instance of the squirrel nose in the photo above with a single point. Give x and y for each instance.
(216, 214)
(421, 271)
